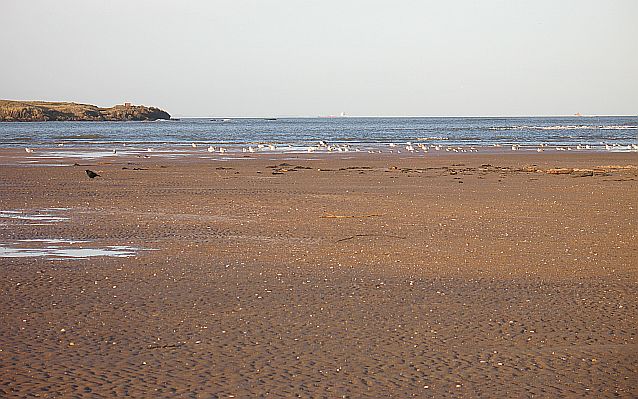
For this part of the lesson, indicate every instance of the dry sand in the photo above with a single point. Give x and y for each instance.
(284, 276)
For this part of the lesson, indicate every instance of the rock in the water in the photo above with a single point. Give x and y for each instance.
(41, 111)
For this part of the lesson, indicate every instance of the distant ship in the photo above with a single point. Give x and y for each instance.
(341, 115)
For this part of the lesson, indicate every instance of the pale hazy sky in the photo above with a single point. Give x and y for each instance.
(308, 58)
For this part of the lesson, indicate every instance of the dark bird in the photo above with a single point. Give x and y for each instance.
(91, 174)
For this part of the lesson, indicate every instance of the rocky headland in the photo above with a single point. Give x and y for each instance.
(41, 111)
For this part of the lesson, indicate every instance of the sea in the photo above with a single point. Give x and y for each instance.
(372, 134)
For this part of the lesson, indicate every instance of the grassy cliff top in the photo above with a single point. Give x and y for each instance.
(39, 111)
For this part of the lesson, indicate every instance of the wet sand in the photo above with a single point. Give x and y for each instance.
(465, 275)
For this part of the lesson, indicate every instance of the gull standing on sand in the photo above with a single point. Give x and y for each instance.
(211, 149)
(29, 150)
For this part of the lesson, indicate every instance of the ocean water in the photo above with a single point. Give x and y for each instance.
(298, 134)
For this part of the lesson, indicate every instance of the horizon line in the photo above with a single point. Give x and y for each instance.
(401, 116)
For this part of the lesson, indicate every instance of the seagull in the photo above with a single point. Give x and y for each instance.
(193, 145)
(211, 149)
(91, 174)
(29, 150)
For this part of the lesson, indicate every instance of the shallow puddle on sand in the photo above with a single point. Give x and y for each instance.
(55, 241)
(68, 250)
(37, 163)
(39, 216)
(62, 154)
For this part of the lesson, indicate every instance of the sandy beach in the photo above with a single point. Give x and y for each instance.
(457, 275)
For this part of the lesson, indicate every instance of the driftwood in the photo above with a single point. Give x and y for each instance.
(351, 216)
(370, 235)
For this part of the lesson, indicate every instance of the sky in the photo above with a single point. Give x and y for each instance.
(310, 58)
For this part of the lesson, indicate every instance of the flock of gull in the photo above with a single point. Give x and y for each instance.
(410, 147)
(407, 147)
